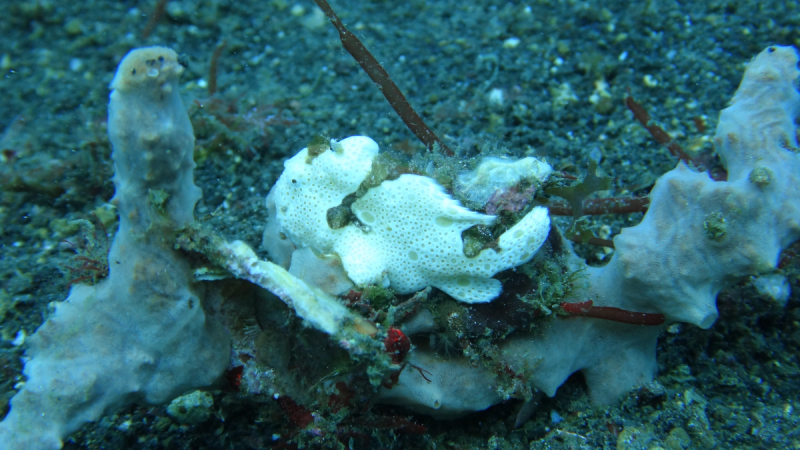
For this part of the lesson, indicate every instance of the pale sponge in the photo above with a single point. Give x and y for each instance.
(500, 174)
(409, 233)
(697, 237)
(141, 335)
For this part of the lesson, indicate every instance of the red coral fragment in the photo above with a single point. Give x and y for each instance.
(397, 345)
(342, 399)
(234, 376)
(512, 200)
(586, 309)
(352, 297)
(297, 414)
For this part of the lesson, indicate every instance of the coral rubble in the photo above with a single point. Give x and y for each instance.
(698, 236)
(147, 334)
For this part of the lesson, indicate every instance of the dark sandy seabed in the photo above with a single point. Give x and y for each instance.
(283, 78)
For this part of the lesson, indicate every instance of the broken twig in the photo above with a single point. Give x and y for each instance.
(379, 75)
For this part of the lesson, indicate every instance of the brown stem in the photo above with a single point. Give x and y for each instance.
(595, 206)
(378, 74)
(593, 241)
(586, 309)
(212, 69)
(158, 11)
(658, 133)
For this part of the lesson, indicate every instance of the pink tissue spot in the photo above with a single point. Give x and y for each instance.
(513, 200)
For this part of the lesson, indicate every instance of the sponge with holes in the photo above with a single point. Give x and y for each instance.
(408, 230)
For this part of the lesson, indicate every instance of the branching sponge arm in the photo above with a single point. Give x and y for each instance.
(153, 140)
(141, 335)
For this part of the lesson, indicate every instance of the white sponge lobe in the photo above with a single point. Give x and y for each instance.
(411, 233)
(417, 228)
(309, 187)
(499, 174)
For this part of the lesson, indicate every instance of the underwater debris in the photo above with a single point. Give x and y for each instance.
(388, 88)
(586, 309)
(92, 254)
